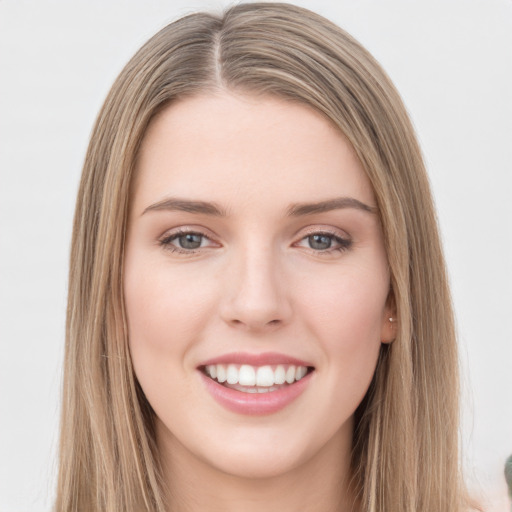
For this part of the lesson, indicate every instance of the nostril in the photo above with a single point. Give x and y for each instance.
(253, 324)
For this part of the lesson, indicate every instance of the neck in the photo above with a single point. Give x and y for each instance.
(319, 483)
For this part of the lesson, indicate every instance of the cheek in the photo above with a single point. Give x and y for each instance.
(348, 307)
(166, 313)
(345, 312)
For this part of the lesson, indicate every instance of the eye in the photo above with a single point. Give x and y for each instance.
(320, 242)
(189, 241)
(325, 242)
(185, 241)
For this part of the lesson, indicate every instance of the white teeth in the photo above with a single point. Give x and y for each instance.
(232, 374)
(211, 370)
(247, 375)
(253, 389)
(280, 375)
(300, 372)
(264, 376)
(221, 373)
(256, 379)
(290, 374)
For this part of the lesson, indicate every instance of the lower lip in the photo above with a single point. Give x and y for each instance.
(255, 403)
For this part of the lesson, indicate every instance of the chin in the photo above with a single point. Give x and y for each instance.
(255, 463)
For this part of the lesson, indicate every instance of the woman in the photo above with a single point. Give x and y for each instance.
(258, 307)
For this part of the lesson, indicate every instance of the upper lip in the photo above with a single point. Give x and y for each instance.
(262, 359)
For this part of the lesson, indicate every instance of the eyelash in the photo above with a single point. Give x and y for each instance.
(344, 243)
(166, 242)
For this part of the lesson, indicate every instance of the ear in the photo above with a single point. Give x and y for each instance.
(389, 325)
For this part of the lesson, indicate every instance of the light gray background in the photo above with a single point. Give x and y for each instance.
(450, 59)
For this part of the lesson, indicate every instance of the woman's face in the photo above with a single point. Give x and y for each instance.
(254, 254)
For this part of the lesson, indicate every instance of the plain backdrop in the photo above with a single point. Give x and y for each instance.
(451, 61)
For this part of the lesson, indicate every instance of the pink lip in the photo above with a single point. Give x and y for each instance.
(255, 403)
(265, 358)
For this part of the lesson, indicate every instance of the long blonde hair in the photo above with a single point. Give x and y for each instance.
(405, 453)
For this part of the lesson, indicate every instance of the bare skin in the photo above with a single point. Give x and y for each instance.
(201, 488)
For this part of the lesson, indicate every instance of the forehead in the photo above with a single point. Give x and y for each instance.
(232, 147)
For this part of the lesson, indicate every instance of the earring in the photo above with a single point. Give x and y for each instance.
(391, 321)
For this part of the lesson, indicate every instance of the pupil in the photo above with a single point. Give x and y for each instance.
(320, 242)
(190, 241)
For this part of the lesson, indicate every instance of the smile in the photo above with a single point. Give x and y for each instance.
(252, 384)
(255, 379)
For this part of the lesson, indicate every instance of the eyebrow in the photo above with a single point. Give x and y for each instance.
(295, 210)
(299, 209)
(187, 205)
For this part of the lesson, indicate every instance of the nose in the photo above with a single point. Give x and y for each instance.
(256, 296)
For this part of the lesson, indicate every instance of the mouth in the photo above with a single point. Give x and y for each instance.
(256, 384)
(247, 378)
